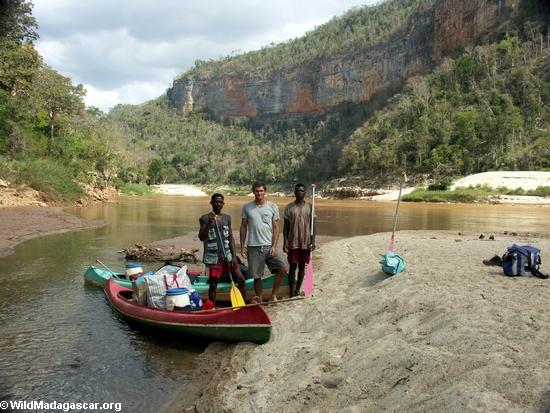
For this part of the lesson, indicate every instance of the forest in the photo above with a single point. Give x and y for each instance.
(49, 140)
(486, 109)
(482, 108)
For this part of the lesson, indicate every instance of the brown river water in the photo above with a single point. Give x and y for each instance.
(61, 342)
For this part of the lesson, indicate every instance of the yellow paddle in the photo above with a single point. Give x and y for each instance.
(235, 295)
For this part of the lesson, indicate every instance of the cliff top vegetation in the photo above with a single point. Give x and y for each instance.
(351, 32)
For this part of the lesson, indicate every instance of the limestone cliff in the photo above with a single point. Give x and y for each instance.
(309, 89)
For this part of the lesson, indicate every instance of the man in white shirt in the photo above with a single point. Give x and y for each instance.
(260, 224)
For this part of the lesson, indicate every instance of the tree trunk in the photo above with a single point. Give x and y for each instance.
(51, 115)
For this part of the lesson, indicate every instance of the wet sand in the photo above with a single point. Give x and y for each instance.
(21, 223)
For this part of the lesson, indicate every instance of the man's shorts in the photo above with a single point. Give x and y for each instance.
(218, 270)
(258, 258)
(298, 255)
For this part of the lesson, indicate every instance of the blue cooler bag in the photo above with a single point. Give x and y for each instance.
(522, 260)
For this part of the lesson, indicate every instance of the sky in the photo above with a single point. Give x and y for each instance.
(130, 51)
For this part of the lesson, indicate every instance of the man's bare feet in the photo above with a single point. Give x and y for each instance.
(274, 298)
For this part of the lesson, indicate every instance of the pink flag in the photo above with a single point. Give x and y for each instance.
(391, 246)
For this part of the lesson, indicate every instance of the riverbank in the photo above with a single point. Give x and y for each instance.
(21, 223)
(527, 180)
(449, 334)
(25, 214)
(512, 180)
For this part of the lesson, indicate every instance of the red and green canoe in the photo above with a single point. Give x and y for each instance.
(99, 276)
(249, 323)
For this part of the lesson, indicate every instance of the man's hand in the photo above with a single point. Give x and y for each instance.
(272, 251)
(244, 251)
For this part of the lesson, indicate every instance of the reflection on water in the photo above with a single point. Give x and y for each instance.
(61, 341)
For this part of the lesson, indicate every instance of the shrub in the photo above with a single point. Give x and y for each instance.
(440, 185)
(543, 191)
(136, 189)
(45, 175)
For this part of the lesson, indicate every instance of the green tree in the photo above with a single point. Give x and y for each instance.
(18, 66)
(57, 95)
(156, 172)
(16, 22)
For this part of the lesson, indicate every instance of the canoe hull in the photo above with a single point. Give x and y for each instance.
(98, 277)
(223, 289)
(243, 324)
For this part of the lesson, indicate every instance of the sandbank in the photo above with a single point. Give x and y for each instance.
(526, 180)
(449, 334)
(18, 224)
(179, 189)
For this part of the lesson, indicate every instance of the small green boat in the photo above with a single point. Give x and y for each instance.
(99, 277)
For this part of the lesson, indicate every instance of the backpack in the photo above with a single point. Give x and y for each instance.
(392, 263)
(522, 260)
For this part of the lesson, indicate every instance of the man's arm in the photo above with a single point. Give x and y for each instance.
(242, 233)
(286, 230)
(232, 242)
(204, 226)
(275, 237)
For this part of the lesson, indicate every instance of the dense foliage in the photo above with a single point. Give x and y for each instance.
(196, 150)
(47, 138)
(487, 109)
(355, 30)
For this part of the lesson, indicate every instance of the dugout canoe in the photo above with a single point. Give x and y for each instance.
(99, 276)
(249, 323)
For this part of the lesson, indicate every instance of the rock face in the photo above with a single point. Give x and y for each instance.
(304, 91)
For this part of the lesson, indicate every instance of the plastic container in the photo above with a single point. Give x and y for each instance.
(177, 297)
(196, 301)
(133, 268)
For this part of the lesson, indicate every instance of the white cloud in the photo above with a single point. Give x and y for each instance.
(130, 51)
(53, 51)
(103, 99)
(129, 93)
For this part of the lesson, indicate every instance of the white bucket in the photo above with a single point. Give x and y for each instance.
(133, 268)
(177, 297)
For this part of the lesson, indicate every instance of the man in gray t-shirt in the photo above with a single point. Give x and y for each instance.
(260, 223)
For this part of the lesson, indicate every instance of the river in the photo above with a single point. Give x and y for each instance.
(61, 342)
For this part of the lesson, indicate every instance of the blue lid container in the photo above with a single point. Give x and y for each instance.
(176, 291)
(133, 264)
